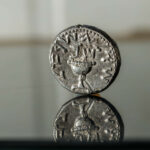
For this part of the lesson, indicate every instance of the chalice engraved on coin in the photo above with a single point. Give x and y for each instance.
(81, 61)
(88, 119)
(84, 59)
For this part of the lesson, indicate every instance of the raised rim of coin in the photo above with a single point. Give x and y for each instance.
(114, 45)
(94, 98)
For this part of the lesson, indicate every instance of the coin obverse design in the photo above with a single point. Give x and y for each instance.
(84, 59)
(88, 119)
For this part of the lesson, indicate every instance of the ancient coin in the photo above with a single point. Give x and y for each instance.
(84, 59)
(88, 119)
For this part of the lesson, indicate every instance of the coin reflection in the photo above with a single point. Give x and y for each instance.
(88, 119)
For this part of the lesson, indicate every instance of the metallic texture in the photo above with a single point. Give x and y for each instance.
(88, 119)
(84, 59)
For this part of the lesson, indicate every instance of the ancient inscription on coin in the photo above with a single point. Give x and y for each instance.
(88, 119)
(84, 59)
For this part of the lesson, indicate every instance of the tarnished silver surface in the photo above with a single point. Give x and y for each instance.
(84, 59)
(90, 119)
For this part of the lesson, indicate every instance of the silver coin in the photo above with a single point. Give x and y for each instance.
(84, 59)
(88, 119)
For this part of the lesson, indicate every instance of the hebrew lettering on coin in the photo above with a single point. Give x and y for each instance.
(84, 59)
(88, 119)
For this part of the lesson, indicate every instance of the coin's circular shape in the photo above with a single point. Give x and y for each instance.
(88, 119)
(84, 59)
